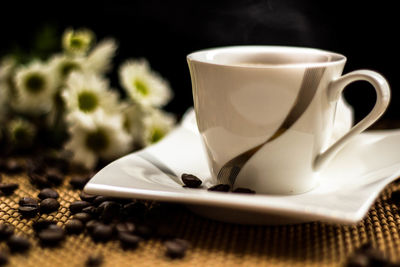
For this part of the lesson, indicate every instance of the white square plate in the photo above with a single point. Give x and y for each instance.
(347, 189)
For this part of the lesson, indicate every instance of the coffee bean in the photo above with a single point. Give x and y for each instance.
(176, 248)
(244, 190)
(28, 211)
(102, 232)
(144, 231)
(58, 161)
(87, 197)
(83, 217)
(90, 225)
(128, 240)
(12, 166)
(190, 180)
(100, 199)
(90, 210)
(28, 201)
(49, 205)
(108, 211)
(18, 243)
(136, 210)
(8, 189)
(128, 227)
(94, 260)
(78, 205)
(220, 188)
(48, 193)
(78, 182)
(36, 166)
(54, 176)
(74, 226)
(6, 230)
(42, 224)
(51, 236)
(39, 181)
(395, 196)
(3, 258)
(164, 231)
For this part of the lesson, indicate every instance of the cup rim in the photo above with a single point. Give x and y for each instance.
(207, 56)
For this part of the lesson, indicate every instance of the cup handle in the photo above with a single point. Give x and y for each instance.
(334, 90)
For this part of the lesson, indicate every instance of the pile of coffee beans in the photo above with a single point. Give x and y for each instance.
(192, 181)
(16, 243)
(103, 218)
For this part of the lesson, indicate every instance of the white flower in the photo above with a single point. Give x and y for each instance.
(7, 66)
(143, 85)
(21, 132)
(63, 65)
(156, 125)
(134, 121)
(97, 136)
(87, 92)
(77, 42)
(35, 88)
(99, 59)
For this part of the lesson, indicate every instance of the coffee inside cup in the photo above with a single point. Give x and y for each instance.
(273, 58)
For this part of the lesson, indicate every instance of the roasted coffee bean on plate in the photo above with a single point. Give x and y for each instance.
(49, 205)
(48, 193)
(74, 226)
(6, 230)
(18, 243)
(8, 189)
(191, 181)
(244, 190)
(78, 206)
(220, 188)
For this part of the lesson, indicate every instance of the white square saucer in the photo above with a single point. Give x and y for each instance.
(347, 189)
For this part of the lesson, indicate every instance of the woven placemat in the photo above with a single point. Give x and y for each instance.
(212, 243)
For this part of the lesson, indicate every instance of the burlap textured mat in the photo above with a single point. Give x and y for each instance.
(213, 243)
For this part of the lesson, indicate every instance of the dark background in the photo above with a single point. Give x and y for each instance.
(164, 32)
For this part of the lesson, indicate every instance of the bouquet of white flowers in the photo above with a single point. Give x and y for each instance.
(69, 95)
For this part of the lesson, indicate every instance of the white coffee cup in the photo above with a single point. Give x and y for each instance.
(273, 108)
